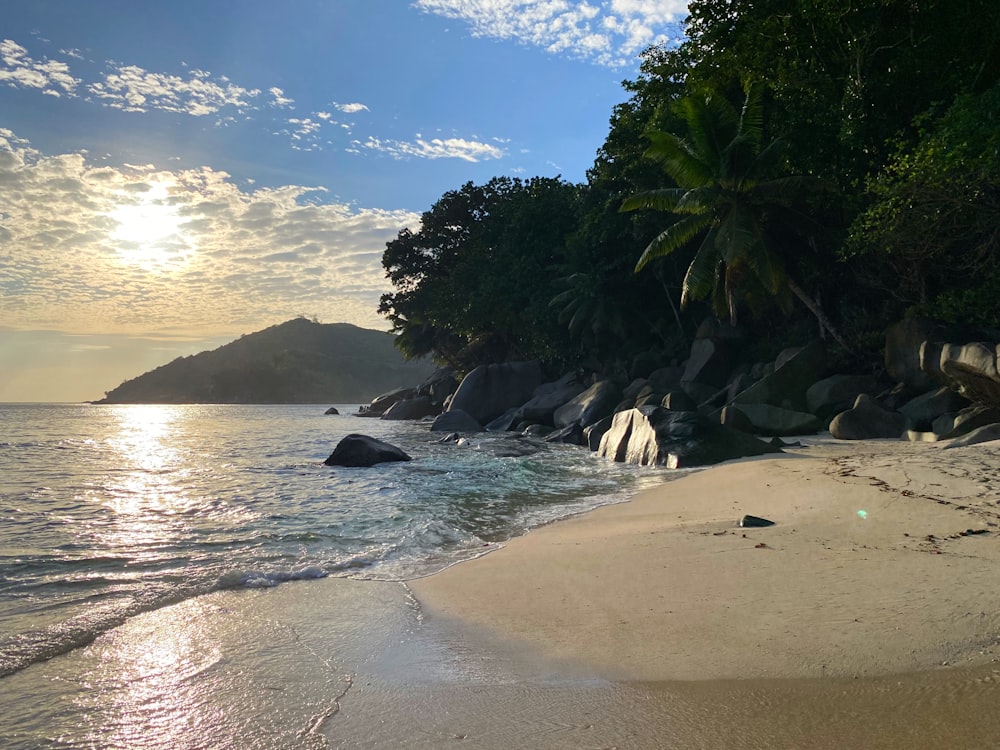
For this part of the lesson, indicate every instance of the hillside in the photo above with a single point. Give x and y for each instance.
(295, 362)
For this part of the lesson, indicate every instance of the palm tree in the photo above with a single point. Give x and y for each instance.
(724, 196)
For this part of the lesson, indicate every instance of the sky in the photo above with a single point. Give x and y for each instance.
(176, 174)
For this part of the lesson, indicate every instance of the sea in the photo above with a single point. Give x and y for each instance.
(125, 524)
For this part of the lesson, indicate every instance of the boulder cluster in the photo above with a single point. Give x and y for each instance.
(937, 383)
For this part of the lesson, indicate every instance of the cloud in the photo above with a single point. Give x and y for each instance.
(351, 108)
(435, 148)
(133, 89)
(610, 32)
(135, 248)
(19, 70)
(279, 99)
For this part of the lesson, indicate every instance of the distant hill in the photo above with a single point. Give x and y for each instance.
(295, 362)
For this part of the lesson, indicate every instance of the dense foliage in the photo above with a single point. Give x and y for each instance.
(880, 119)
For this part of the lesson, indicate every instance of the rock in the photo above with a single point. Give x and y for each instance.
(666, 378)
(838, 393)
(456, 420)
(924, 409)
(592, 434)
(362, 450)
(773, 420)
(591, 406)
(867, 420)
(654, 436)
(652, 397)
(787, 385)
(490, 390)
(710, 362)
(537, 430)
(678, 401)
(439, 386)
(451, 437)
(381, 404)
(506, 421)
(971, 369)
(969, 419)
(412, 408)
(754, 522)
(983, 434)
(902, 351)
(735, 419)
(699, 392)
(633, 389)
(332, 410)
(571, 435)
(549, 397)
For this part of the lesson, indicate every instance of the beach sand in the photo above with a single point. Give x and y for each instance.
(874, 596)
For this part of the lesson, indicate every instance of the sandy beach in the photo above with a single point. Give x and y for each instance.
(880, 572)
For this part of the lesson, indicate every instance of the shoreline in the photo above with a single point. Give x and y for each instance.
(880, 563)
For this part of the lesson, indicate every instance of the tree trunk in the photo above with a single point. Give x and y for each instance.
(820, 315)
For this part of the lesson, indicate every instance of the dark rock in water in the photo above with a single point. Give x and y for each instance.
(331, 410)
(537, 430)
(572, 435)
(490, 390)
(868, 420)
(749, 522)
(451, 437)
(456, 420)
(381, 404)
(362, 450)
(412, 408)
(592, 405)
(654, 436)
(506, 421)
(593, 433)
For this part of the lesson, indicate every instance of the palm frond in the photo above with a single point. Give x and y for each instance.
(703, 272)
(663, 199)
(738, 231)
(678, 159)
(675, 236)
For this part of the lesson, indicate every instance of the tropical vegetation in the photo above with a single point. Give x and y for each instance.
(842, 155)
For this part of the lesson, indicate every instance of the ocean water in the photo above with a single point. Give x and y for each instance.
(107, 512)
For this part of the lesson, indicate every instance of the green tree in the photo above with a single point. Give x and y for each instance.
(724, 195)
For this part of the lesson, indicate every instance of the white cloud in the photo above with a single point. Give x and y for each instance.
(133, 89)
(279, 99)
(610, 32)
(434, 148)
(97, 248)
(351, 108)
(21, 71)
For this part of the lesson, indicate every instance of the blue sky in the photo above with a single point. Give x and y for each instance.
(173, 175)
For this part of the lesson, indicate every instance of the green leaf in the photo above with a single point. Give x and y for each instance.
(675, 236)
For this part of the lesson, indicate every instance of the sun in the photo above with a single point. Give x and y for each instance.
(149, 231)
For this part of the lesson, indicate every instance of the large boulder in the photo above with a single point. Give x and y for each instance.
(439, 386)
(412, 408)
(490, 390)
(362, 450)
(710, 362)
(902, 351)
(593, 405)
(654, 436)
(793, 374)
(456, 420)
(867, 420)
(968, 419)
(838, 393)
(549, 397)
(923, 410)
(971, 369)
(381, 404)
(593, 433)
(775, 421)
